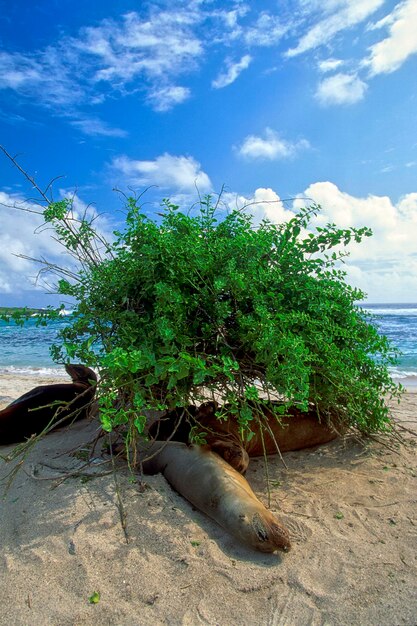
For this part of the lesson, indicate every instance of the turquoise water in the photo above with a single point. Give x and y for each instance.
(25, 350)
(399, 323)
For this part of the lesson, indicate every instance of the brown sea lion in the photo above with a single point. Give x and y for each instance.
(215, 488)
(35, 410)
(293, 431)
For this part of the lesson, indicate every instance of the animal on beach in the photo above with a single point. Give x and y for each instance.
(214, 487)
(208, 476)
(294, 430)
(48, 404)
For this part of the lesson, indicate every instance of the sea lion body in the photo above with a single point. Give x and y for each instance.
(214, 487)
(293, 431)
(32, 412)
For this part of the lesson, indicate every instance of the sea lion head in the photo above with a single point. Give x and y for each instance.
(233, 453)
(81, 374)
(271, 534)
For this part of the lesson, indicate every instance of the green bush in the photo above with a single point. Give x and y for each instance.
(194, 306)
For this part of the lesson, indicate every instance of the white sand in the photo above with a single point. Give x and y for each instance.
(350, 510)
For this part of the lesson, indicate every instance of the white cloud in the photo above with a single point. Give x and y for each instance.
(20, 234)
(407, 207)
(345, 210)
(44, 76)
(16, 70)
(265, 203)
(341, 89)
(329, 65)
(161, 45)
(268, 30)
(346, 14)
(270, 147)
(232, 72)
(24, 233)
(148, 52)
(142, 52)
(165, 98)
(389, 54)
(385, 265)
(265, 31)
(96, 127)
(135, 53)
(231, 17)
(167, 171)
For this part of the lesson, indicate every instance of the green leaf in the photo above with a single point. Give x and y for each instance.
(140, 423)
(94, 598)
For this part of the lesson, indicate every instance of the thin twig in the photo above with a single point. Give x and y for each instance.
(68, 474)
(120, 506)
(25, 174)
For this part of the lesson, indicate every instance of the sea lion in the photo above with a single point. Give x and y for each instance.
(35, 410)
(293, 431)
(214, 487)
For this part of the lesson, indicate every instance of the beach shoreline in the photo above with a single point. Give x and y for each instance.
(349, 507)
(14, 381)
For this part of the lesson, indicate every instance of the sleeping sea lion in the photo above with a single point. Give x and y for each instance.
(294, 431)
(214, 487)
(35, 410)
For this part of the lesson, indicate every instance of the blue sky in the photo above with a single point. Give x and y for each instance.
(284, 103)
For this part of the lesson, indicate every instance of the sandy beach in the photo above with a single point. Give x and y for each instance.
(350, 509)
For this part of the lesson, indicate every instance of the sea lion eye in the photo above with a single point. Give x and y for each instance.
(263, 536)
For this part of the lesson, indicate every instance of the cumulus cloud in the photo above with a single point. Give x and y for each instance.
(179, 173)
(265, 203)
(385, 265)
(344, 14)
(389, 54)
(270, 147)
(24, 233)
(21, 234)
(233, 70)
(341, 89)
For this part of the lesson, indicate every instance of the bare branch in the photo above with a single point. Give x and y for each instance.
(25, 174)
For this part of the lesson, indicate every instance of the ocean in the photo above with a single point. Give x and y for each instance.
(25, 350)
